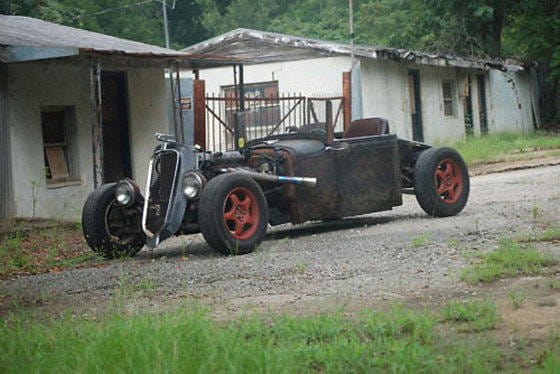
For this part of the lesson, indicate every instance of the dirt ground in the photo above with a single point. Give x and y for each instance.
(371, 261)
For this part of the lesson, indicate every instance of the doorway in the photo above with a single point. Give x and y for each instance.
(482, 114)
(467, 103)
(116, 143)
(415, 105)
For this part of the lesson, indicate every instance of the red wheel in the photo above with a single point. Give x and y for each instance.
(232, 213)
(441, 182)
(449, 181)
(241, 213)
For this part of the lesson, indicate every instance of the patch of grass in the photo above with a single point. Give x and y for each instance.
(550, 235)
(497, 147)
(189, 341)
(517, 297)
(41, 247)
(421, 241)
(509, 260)
(554, 284)
(478, 315)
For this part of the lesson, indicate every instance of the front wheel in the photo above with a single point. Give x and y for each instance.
(233, 214)
(441, 182)
(112, 230)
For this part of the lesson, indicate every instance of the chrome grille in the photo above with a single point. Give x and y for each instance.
(164, 168)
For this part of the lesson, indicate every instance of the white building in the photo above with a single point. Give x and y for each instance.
(434, 98)
(77, 109)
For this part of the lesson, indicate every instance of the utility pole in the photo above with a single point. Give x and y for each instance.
(351, 22)
(165, 25)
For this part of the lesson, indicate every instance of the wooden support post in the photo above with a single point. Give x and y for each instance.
(347, 93)
(96, 121)
(329, 121)
(200, 113)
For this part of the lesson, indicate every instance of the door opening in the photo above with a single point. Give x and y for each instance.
(482, 115)
(116, 143)
(467, 103)
(415, 105)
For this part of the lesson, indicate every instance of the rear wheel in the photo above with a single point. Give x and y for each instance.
(233, 214)
(112, 230)
(441, 182)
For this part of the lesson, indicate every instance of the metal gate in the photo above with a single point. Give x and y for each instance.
(230, 124)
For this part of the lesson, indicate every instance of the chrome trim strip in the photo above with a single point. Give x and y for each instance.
(145, 210)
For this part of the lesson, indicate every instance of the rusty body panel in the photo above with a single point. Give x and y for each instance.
(354, 176)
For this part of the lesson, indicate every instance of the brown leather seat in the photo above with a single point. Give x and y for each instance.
(367, 127)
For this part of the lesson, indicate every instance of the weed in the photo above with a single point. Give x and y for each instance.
(301, 267)
(127, 287)
(421, 241)
(453, 243)
(550, 235)
(509, 260)
(476, 315)
(517, 297)
(554, 284)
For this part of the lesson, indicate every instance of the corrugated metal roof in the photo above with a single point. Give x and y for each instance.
(40, 39)
(32, 32)
(263, 47)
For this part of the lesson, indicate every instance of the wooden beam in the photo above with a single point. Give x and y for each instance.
(347, 93)
(96, 121)
(200, 113)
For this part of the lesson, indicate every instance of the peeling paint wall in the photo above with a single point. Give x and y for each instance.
(509, 102)
(32, 86)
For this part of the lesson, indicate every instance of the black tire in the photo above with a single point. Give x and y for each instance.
(111, 230)
(441, 182)
(216, 202)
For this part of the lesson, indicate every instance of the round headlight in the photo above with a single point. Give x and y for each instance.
(192, 184)
(124, 193)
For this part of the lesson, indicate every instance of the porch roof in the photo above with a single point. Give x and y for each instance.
(28, 39)
(263, 47)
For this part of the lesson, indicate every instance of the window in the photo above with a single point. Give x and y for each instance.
(56, 125)
(448, 98)
(262, 107)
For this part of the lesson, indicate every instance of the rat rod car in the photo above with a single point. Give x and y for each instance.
(231, 197)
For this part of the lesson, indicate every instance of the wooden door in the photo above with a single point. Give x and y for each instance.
(415, 105)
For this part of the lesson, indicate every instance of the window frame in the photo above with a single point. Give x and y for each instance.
(66, 154)
(449, 101)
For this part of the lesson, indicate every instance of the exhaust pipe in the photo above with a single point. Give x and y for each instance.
(302, 181)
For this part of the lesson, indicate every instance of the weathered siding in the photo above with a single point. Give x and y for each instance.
(509, 101)
(5, 167)
(33, 86)
(321, 77)
(148, 115)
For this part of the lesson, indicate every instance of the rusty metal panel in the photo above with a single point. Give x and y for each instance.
(355, 176)
(368, 175)
(199, 113)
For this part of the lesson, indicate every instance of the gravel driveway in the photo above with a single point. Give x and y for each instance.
(388, 255)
